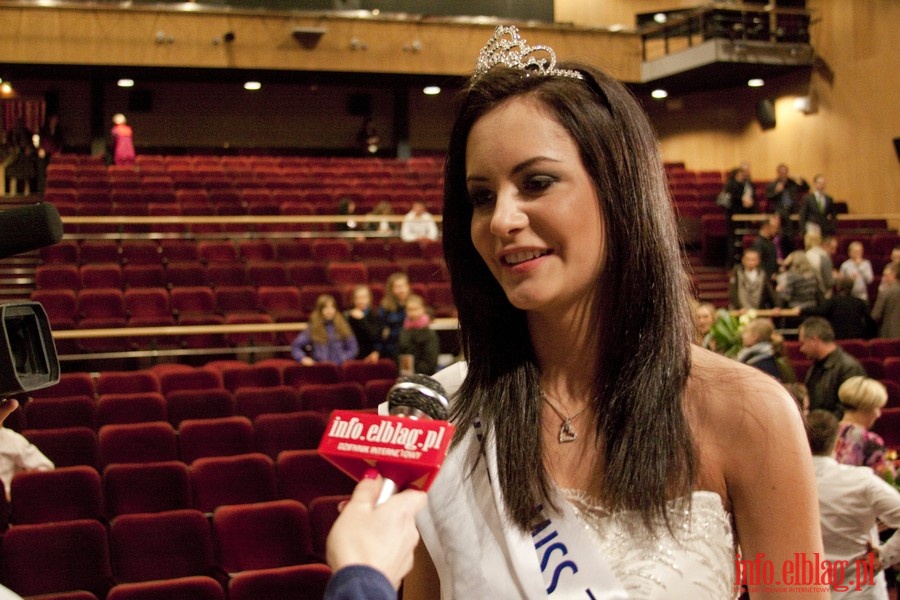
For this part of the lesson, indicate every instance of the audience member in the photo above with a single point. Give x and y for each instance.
(886, 311)
(820, 261)
(798, 392)
(418, 224)
(738, 198)
(23, 162)
(862, 399)
(817, 211)
(417, 339)
(852, 502)
(848, 315)
(383, 208)
(858, 269)
(17, 453)
(749, 286)
(392, 313)
(347, 208)
(798, 286)
(831, 365)
(122, 141)
(370, 546)
(784, 194)
(757, 351)
(364, 322)
(704, 317)
(764, 245)
(328, 337)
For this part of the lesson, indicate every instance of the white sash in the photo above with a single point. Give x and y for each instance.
(557, 560)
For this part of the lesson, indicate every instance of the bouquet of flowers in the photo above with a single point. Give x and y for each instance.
(726, 331)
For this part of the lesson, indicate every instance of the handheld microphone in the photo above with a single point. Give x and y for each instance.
(407, 446)
(29, 227)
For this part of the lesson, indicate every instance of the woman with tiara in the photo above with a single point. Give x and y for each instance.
(598, 454)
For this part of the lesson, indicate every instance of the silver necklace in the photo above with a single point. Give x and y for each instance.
(566, 432)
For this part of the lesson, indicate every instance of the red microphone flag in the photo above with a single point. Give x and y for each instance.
(407, 451)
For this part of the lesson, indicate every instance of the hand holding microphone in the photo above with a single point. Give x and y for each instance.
(382, 537)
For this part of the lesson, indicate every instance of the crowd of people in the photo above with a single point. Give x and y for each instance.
(397, 329)
(807, 282)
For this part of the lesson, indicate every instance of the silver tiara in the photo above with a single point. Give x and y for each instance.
(507, 48)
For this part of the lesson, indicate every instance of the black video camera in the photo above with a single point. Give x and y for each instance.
(28, 359)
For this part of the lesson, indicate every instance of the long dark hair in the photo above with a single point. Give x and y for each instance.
(641, 316)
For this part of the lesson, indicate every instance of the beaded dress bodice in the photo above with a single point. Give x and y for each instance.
(696, 560)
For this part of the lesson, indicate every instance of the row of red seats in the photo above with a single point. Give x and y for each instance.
(263, 550)
(224, 469)
(150, 252)
(89, 193)
(230, 375)
(256, 273)
(185, 405)
(203, 403)
(316, 163)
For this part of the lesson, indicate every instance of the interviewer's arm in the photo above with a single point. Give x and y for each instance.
(370, 547)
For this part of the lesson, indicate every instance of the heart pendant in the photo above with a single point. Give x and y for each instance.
(566, 433)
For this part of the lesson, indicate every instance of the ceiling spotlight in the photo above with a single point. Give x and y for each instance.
(228, 37)
(659, 94)
(660, 18)
(431, 90)
(5, 88)
(756, 82)
(252, 86)
(125, 83)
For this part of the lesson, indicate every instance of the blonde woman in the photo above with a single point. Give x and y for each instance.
(798, 285)
(863, 399)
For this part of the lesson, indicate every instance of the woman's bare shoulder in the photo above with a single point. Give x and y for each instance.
(733, 398)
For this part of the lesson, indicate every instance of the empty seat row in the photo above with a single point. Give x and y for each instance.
(234, 273)
(251, 551)
(230, 375)
(81, 492)
(150, 252)
(178, 406)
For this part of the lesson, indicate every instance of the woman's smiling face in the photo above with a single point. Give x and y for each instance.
(536, 218)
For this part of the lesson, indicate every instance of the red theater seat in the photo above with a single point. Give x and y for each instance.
(264, 535)
(304, 475)
(56, 557)
(167, 545)
(63, 494)
(210, 403)
(183, 588)
(222, 480)
(127, 382)
(146, 488)
(56, 413)
(139, 407)
(275, 432)
(302, 582)
(361, 371)
(225, 436)
(333, 396)
(137, 443)
(254, 401)
(67, 446)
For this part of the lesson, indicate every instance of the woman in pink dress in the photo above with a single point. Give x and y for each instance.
(123, 141)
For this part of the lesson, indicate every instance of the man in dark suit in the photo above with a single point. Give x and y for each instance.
(741, 196)
(784, 195)
(763, 244)
(818, 209)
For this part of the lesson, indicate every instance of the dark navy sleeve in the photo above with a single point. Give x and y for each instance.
(359, 582)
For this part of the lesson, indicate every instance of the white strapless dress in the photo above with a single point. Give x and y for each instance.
(695, 561)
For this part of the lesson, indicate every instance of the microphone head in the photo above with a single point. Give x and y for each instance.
(418, 396)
